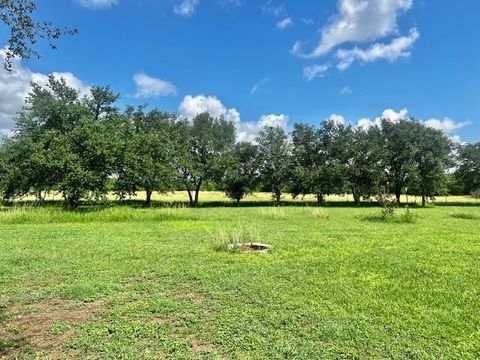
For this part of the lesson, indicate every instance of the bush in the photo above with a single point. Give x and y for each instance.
(407, 217)
(387, 203)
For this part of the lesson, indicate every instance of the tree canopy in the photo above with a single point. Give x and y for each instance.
(18, 16)
(85, 147)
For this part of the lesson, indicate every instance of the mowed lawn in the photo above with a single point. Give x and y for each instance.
(338, 284)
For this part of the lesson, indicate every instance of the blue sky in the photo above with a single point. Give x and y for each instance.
(265, 61)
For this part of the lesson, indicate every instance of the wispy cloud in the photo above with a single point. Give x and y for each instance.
(397, 48)
(283, 24)
(258, 85)
(97, 4)
(274, 8)
(313, 71)
(346, 90)
(186, 8)
(148, 87)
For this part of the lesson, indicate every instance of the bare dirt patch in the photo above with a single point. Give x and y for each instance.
(199, 347)
(192, 297)
(44, 326)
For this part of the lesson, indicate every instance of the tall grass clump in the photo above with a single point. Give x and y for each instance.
(389, 212)
(228, 242)
(320, 214)
(407, 217)
(35, 215)
(274, 213)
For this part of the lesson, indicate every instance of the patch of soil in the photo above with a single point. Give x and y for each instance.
(199, 347)
(28, 327)
(193, 297)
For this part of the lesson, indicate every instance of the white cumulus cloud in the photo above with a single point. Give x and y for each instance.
(392, 115)
(446, 124)
(192, 106)
(337, 119)
(148, 86)
(273, 120)
(360, 21)
(388, 114)
(15, 86)
(249, 131)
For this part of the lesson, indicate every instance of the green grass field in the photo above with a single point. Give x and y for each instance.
(148, 284)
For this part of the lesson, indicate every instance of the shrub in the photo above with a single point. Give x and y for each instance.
(407, 217)
(387, 203)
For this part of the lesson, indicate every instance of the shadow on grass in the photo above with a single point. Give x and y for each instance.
(92, 206)
(396, 219)
(465, 216)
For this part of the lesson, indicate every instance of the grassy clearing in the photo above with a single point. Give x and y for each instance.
(135, 283)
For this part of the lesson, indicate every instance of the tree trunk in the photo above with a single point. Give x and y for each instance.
(148, 200)
(40, 197)
(72, 201)
(197, 193)
(277, 197)
(424, 201)
(398, 194)
(356, 198)
(320, 200)
(190, 198)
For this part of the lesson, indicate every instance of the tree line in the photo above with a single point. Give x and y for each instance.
(84, 147)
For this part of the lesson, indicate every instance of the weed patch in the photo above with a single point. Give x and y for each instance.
(405, 217)
(465, 216)
(320, 214)
(237, 240)
(274, 213)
